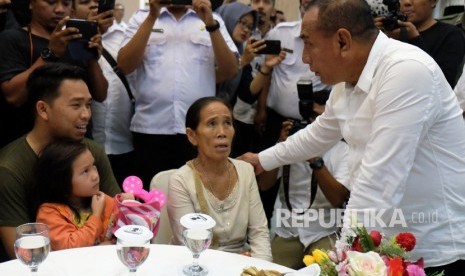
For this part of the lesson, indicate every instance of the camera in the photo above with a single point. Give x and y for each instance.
(390, 21)
(305, 92)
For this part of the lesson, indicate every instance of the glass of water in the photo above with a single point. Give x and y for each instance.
(32, 244)
(197, 240)
(133, 246)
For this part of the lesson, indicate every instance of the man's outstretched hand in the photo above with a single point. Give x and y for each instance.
(252, 158)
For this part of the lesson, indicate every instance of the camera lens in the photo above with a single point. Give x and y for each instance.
(305, 90)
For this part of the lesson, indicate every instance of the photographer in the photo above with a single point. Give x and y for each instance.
(319, 184)
(442, 41)
(280, 73)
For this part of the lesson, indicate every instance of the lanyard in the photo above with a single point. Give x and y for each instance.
(313, 188)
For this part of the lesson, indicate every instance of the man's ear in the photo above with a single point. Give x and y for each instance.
(42, 110)
(344, 40)
(191, 136)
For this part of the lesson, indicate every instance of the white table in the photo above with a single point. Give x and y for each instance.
(162, 260)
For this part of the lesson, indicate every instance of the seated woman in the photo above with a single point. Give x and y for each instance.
(216, 185)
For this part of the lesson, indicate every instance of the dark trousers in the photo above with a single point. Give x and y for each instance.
(154, 153)
(453, 269)
(122, 166)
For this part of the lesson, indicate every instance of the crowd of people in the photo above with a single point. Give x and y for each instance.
(355, 111)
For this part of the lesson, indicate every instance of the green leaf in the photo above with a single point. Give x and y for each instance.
(365, 240)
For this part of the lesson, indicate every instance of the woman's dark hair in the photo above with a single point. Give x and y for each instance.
(54, 173)
(193, 113)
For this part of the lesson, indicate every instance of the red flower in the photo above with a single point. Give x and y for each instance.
(396, 267)
(406, 240)
(375, 237)
(356, 246)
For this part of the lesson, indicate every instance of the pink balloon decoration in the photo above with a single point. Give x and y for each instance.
(133, 184)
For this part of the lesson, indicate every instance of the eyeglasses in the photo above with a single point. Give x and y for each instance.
(246, 24)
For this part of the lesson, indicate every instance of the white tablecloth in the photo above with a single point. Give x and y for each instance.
(162, 260)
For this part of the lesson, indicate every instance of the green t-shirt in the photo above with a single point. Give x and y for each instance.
(17, 168)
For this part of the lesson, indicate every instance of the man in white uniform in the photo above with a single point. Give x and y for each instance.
(406, 135)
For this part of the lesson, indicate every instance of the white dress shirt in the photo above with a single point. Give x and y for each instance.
(300, 177)
(111, 118)
(178, 68)
(406, 136)
(282, 96)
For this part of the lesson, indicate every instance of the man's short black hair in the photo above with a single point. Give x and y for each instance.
(44, 81)
(352, 15)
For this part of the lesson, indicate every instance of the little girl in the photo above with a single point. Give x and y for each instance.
(77, 213)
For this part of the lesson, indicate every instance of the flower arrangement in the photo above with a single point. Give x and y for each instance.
(368, 254)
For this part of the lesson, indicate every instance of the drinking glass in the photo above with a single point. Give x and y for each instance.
(197, 240)
(132, 253)
(32, 244)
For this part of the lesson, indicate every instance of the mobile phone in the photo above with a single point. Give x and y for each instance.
(79, 48)
(176, 2)
(87, 28)
(273, 47)
(105, 5)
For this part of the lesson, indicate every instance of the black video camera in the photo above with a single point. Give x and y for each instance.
(394, 14)
(305, 92)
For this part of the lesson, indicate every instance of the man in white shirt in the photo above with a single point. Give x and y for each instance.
(406, 134)
(177, 55)
(118, 13)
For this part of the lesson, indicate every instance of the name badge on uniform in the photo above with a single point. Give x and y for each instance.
(158, 31)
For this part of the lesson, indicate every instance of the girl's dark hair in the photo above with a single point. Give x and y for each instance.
(54, 173)
(193, 113)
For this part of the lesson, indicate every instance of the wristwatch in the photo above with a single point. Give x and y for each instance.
(317, 164)
(213, 28)
(47, 55)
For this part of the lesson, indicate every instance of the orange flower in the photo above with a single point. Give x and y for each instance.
(396, 267)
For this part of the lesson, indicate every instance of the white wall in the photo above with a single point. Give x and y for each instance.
(289, 7)
(130, 6)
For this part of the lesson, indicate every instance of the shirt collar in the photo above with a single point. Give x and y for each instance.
(365, 79)
(115, 27)
(296, 30)
(164, 10)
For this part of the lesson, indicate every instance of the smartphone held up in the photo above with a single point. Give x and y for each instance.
(79, 48)
(273, 47)
(105, 5)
